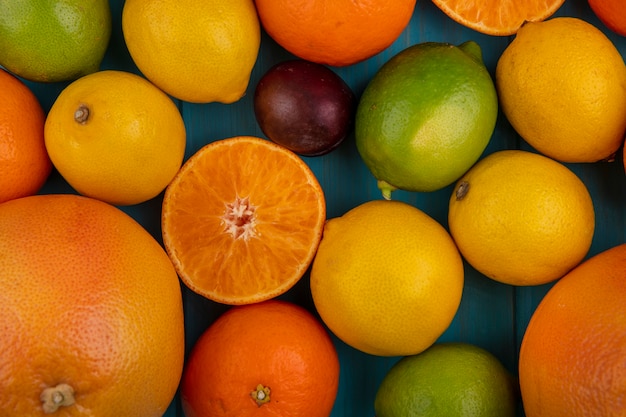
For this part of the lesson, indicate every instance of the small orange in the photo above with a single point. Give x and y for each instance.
(267, 359)
(24, 162)
(242, 220)
(335, 32)
(612, 13)
(90, 312)
(498, 17)
(573, 355)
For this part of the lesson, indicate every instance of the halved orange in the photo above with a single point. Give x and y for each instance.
(498, 17)
(242, 220)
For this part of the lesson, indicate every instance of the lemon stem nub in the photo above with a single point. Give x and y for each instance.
(461, 190)
(261, 395)
(81, 115)
(53, 398)
(386, 189)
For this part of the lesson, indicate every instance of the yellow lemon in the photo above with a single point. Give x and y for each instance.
(199, 51)
(562, 86)
(387, 278)
(521, 218)
(116, 137)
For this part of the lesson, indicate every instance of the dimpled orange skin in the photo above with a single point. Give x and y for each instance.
(276, 344)
(573, 354)
(335, 32)
(612, 13)
(89, 299)
(24, 162)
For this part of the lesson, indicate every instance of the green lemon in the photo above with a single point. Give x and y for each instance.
(426, 116)
(448, 379)
(53, 40)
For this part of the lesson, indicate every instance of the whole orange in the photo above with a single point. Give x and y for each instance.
(24, 162)
(268, 359)
(90, 312)
(573, 354)
(612, 13)
(335, 32)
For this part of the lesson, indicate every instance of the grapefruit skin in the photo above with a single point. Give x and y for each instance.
(89, 301)
(573, 354)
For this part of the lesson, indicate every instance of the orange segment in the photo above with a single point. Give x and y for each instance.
(497, 17)
(242, 220)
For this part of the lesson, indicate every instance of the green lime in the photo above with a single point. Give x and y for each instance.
(426, 116)
(51, 40)
(448, 379)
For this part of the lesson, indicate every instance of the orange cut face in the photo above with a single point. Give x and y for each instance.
(497, 17)
(242, 220)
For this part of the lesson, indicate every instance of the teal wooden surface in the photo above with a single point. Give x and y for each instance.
(491, 315)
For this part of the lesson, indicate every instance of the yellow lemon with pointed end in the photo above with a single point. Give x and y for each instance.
(387, 278)
(521, 218)
(198, 51)
(562, 86)
(116, 137)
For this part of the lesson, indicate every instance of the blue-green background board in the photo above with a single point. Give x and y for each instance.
(492, 315)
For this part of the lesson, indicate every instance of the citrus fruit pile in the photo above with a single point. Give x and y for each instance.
(313, 208)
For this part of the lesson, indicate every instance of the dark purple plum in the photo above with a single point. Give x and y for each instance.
(305, 107)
